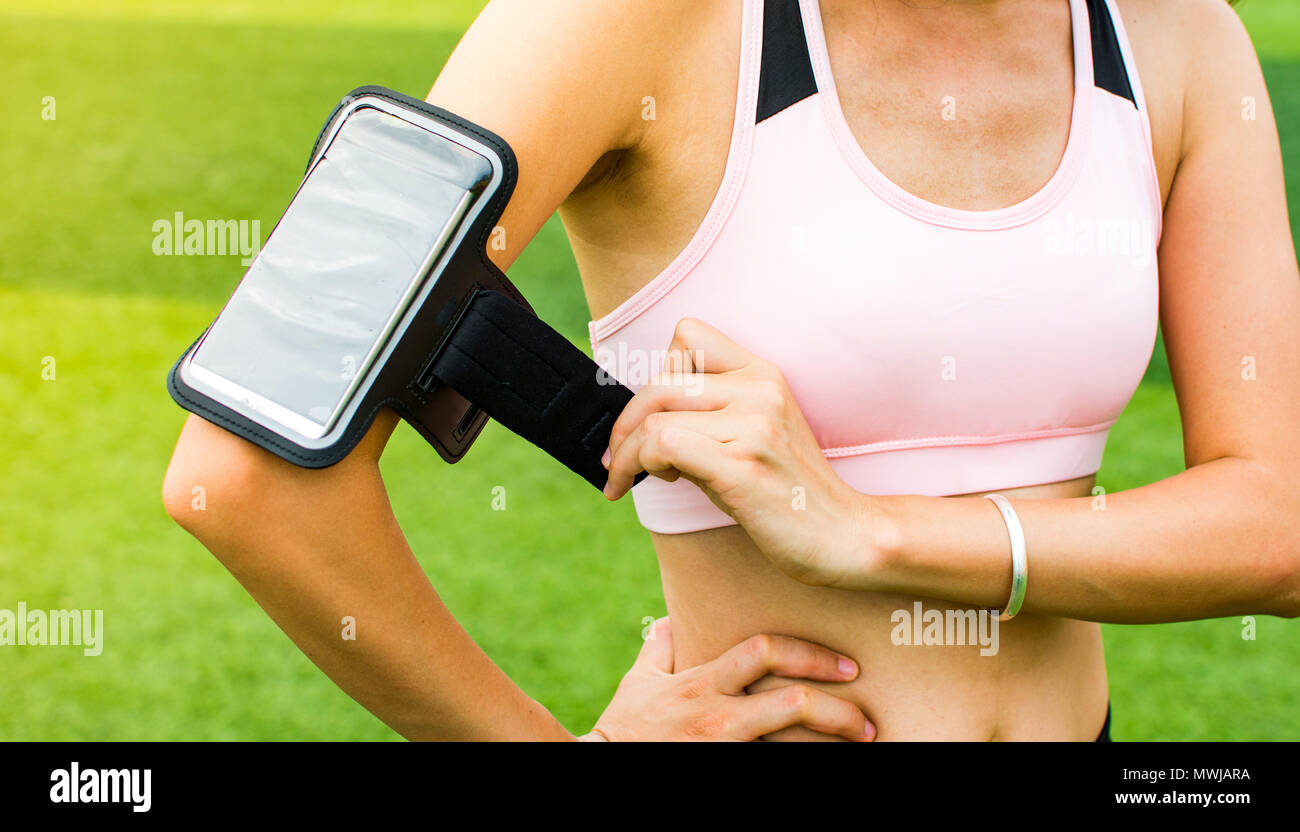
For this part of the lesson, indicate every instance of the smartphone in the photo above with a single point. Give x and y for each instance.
(386, 200)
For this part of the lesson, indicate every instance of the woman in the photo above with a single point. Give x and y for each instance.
(899, 252)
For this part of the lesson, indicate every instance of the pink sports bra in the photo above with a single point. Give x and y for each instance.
(933, 350)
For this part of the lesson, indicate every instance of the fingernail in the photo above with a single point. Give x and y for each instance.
(847, 667)
(870, 733)
(604, 460)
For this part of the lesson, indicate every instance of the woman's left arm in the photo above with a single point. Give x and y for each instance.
(1221, 538)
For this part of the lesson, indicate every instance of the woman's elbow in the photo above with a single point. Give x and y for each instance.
(213, 482)
(1287, 604)
(1281, 554)
(239, 499)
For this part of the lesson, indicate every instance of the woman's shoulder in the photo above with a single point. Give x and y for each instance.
(1194, 58)
(587, 64)
(563, 82)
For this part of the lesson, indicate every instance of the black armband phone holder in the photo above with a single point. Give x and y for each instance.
(344, 311)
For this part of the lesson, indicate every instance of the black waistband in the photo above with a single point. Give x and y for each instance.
(1104, 736)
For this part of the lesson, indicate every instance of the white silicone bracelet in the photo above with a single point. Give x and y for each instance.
(1019, 558)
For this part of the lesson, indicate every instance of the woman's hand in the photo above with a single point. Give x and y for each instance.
(709, 702)
(727, 421)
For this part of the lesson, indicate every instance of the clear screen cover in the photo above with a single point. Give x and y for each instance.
(339, 270)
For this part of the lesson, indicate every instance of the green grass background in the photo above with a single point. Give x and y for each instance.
(210, 109)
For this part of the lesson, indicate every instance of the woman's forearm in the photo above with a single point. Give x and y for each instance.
(323, 555)
(411, 663)
(1222, 538)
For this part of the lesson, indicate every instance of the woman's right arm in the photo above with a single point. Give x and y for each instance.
(554, 80)
(562, 82)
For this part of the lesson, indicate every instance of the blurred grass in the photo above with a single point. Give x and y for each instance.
(211, 109)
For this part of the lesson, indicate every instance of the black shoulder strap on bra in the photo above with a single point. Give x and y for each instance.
(1108, 69)
(786, 76)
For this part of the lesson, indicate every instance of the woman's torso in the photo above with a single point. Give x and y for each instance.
(1007, 76)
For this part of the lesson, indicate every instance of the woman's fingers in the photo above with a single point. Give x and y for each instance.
(666, 452)
(657, 651)
(706, 349)
(710, 701)
(704, 372)
(792, 658)
(674, 392)
(803, 705)
(631, 455)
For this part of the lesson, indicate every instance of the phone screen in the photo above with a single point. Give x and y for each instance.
(340, 269)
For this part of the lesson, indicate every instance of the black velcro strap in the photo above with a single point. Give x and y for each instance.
(531, 379)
